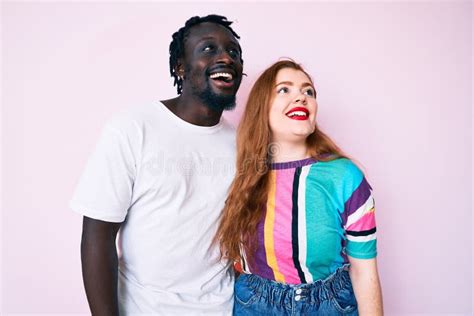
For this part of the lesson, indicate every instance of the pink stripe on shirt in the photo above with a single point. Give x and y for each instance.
(366, 222)
(282, 228)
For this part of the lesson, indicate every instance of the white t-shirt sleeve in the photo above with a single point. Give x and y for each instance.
(104, 191)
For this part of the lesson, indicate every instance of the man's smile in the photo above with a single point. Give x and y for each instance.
(223, 77)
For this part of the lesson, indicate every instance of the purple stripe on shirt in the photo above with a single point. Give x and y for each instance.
(292, 164)
(259, 262)
(357, 199)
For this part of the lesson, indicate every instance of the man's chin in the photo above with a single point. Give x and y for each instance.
(218, 102)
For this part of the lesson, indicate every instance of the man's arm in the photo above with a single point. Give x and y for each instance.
(366, 284)
(100, 265)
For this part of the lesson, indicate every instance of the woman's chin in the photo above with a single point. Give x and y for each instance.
(302, 134)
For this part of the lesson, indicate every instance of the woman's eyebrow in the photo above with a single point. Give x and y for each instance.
(290, 83)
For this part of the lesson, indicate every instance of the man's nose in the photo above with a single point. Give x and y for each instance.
(224, 57)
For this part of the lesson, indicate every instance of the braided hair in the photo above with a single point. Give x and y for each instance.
(177, 44)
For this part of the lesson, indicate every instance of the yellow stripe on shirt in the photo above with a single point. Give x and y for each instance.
(268, 229)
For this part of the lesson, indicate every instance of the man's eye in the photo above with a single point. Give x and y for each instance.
(208, 48)
(234, 52)
(282, 90)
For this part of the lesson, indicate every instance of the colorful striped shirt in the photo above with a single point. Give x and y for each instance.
(316, 214)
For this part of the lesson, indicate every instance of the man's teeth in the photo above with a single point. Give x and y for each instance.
(297, 113)
(225, 75)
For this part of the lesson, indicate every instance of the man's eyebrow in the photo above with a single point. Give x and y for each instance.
(204, 39)
(207, 38)
(290, 83)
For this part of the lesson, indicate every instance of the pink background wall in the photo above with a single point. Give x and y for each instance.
(394, 82)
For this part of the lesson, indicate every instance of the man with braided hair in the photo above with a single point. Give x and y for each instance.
(158, 179)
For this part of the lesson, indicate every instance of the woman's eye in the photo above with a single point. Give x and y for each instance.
(282, 90)
(310, 92)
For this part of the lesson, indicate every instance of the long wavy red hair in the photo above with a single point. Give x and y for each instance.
(245, 204)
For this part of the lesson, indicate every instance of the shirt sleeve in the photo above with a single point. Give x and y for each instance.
(360, 228)
(104, 191)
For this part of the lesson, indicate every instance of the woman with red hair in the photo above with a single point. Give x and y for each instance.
(299, 217)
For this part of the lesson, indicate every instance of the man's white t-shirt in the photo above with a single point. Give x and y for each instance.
(167, 180)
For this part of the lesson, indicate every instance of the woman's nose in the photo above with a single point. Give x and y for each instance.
(301, 98)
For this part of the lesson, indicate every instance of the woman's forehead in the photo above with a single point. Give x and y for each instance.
(292, 75)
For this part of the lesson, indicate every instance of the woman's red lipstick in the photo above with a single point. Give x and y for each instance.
(298, 113)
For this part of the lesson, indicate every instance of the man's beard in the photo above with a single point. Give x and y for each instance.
(215, 101)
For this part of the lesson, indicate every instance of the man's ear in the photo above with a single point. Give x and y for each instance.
(179, 69)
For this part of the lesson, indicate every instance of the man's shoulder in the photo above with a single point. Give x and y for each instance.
(132, 118)
(228, 126)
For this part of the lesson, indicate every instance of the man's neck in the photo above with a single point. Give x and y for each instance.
(193, 110)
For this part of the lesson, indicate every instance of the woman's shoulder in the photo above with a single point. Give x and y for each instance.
(343, 166)
(342, 172)
(339, 177)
